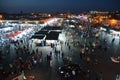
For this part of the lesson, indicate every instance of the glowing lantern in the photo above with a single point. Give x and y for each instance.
(88, 59)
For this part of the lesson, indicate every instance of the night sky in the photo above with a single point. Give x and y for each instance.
(54, 6)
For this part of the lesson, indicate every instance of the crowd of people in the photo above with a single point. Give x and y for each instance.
(19, 64)
(27, 58)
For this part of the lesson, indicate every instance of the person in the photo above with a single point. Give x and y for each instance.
(7, 51)
(70, 59)
(35, 62)
(65, 42)
(101, 76)
(40, 54)
(67, 75)
(40, 60)
(33, 52)
(113, 40)
(69, 47)
(61, 47)
(10, 65)
(51, 63)
(105, 48)
(59, 52)
(31, 77)
(73, 72)
(37, 51)
(81, 55)
(55, 50)
(62, 55)
(88, 59)
(50, 53)
(28, 65)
